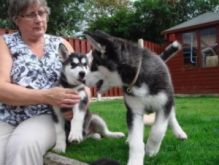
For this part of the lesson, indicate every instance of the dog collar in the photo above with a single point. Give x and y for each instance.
(129, 89)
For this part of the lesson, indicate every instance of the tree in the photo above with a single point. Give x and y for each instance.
(120, 24)
(150, 17)
(98, 8)
(65, 16)
(3, 16)
(100, 11)
(137, 23)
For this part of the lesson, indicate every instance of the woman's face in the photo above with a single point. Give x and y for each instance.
(32, 23)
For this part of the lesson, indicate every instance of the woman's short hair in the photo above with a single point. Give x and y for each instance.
(17, 7)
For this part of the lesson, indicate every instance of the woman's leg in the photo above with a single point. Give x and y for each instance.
(30, 141)
(5, 132)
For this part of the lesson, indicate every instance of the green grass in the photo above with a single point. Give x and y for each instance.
(199, 117)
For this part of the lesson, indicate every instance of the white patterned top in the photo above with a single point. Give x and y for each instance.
(31, 72)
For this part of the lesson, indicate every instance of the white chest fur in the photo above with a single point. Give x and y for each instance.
(141, 99)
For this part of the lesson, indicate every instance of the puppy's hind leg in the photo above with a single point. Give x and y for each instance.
(173, 123)
(60, 145)
(102, 128)
(157, 134)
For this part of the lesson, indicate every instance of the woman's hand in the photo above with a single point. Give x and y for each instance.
(61, 97)
(64, 98)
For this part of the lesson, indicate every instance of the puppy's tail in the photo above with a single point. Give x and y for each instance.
(171, 51)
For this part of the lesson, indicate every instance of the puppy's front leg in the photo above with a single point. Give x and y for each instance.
(76, 131)
(135, 139)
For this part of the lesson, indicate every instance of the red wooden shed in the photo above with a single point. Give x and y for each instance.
(195, 70)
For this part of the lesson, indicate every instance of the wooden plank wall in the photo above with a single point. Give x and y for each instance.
(193, 80)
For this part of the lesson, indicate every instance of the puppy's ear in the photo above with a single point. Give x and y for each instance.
(63, 52)
(90, 57)
(95, 42)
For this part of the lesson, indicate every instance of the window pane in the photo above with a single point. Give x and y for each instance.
(190, 48)
(209, 47)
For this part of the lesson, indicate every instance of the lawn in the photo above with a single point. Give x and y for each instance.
(199, 117)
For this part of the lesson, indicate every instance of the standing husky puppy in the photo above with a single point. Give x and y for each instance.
(147, 87)
(83, 124)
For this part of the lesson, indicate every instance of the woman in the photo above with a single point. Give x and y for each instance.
(29, 73)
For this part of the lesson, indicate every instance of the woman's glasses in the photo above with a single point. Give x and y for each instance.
(33, 15)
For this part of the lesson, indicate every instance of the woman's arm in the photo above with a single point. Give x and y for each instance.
(16, 95)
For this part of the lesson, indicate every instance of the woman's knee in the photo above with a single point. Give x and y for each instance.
(25, 143)
(24, 150)
(37, 134)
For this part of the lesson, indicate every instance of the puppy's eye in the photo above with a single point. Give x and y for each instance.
(84, 61)
(75, 60)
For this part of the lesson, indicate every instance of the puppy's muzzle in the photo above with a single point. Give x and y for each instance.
(82, 77)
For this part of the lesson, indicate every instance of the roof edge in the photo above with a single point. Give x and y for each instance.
(189, 27)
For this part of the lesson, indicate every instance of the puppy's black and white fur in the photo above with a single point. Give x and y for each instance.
(83, 124)
(147, 88)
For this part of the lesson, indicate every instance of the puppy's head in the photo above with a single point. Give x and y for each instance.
(104, 65)
(75, 66)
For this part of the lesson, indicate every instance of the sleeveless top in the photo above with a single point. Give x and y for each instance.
(31, 72)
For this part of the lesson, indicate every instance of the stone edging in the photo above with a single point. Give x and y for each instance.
(55, 159)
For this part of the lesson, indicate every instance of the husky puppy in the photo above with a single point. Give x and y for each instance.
(83, 124)
(146, 84)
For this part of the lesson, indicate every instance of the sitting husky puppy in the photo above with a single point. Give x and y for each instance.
(84, 123)
(146, 84)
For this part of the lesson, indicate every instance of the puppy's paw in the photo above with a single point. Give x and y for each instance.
(151, 149)
(119, 134)
(60, 147)
(181, 135)
(151, 152)
(95, 136)
(114, 134)
(75, 136)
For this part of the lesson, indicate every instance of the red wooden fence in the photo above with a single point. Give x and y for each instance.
(154, 47)
(83, 46)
